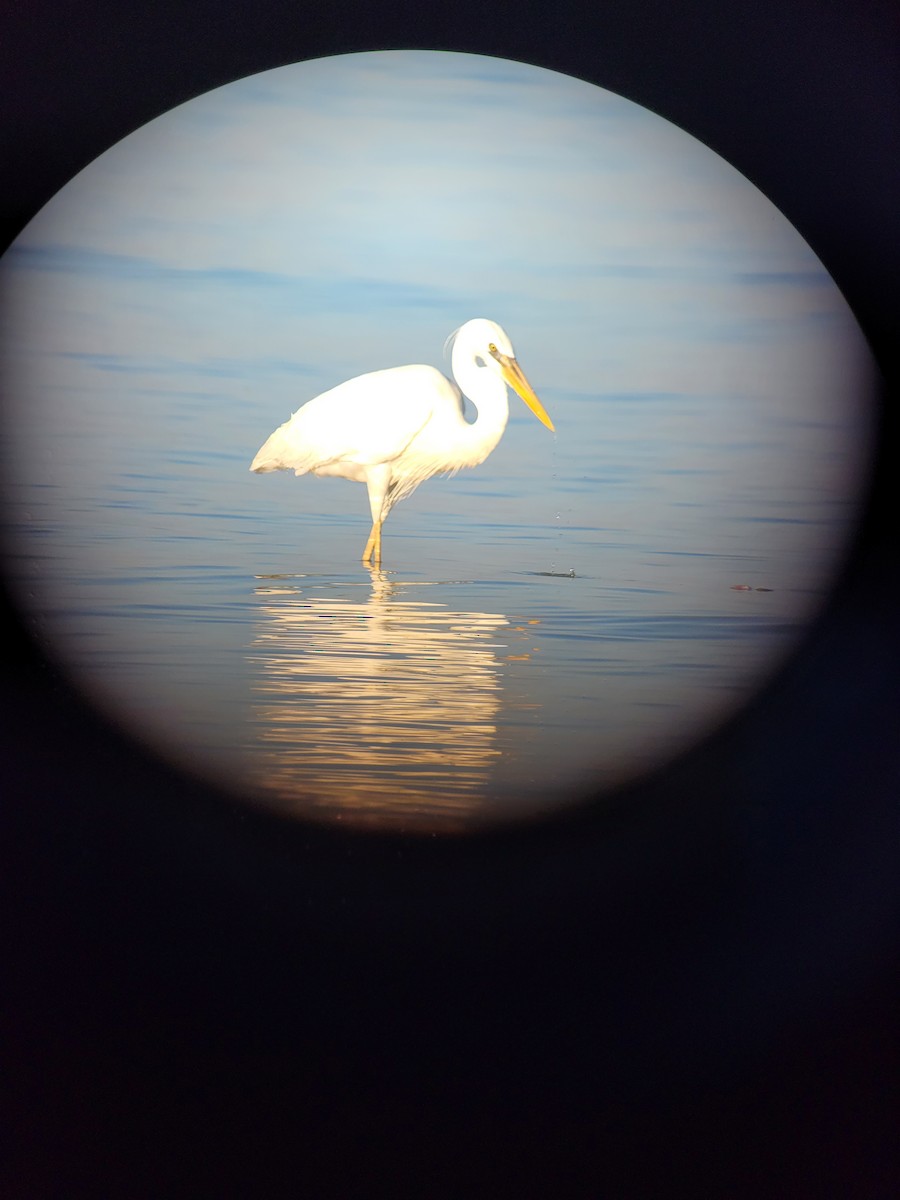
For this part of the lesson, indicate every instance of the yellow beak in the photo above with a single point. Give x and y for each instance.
(514, 376)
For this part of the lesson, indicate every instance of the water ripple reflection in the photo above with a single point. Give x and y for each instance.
(379, 711)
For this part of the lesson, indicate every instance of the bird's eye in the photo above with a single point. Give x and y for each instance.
(492, 348)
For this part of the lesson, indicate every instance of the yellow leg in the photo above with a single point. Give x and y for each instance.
(372, 552)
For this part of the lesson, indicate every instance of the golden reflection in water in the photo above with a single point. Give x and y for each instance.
(377, 712)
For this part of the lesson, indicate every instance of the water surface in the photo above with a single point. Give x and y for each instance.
(562, 617)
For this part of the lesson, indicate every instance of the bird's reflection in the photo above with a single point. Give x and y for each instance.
(378, 709)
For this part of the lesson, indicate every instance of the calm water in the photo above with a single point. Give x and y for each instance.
(227, 614)
(563, 616)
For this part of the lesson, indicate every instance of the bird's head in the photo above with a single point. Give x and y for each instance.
(488, 345)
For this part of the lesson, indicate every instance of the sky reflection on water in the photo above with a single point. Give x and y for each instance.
(198, 282)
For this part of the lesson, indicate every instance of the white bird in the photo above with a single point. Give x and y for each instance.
(393, 429)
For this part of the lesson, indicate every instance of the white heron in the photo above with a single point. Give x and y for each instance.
(393, 429)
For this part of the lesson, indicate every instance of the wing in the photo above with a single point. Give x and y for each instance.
(367, 420)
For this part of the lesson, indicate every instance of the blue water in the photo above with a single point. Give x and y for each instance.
(504, 658)
(562, 617)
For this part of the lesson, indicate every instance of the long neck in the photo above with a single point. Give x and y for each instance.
(487, 392)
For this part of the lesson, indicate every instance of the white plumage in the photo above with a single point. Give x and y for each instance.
(392, 429)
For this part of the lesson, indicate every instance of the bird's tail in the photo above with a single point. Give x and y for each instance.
(260, 465)
(265, 461)
(271, 455)
(281, 453)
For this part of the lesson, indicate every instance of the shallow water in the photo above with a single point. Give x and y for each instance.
(559, 619)
(494, 666)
